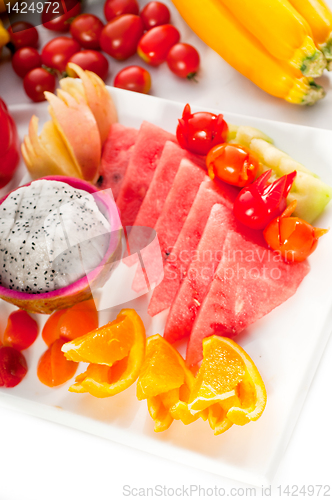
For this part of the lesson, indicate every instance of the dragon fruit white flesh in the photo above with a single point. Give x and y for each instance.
(51, 235)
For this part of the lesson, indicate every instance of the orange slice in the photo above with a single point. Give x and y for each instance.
(228, 384)
(115, 353)
(166, 383)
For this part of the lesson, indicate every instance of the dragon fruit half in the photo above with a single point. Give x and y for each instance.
(59, 237)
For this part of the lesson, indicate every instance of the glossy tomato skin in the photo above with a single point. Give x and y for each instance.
(155, 14)
(13, 366)
(232, 163)
(21, 330)
(36, 82)
(24, 60)
(120, 36)
(61, 23)
(134, 78)
(183, 60)
(86, 30)
(155, 45)
(199, 132)
(57, 52)
(23, 34)
(90, 60)
(115, 8)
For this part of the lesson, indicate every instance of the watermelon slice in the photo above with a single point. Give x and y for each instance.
(179, 260)
(176, 208)
(199, 276)
(115, 157)
(162, 181)
(148, 148)
(250, 281)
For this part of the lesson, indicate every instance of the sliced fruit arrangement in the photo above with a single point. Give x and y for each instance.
(82, 114)
(115, 353)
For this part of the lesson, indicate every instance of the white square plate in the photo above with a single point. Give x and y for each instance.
(286, 345)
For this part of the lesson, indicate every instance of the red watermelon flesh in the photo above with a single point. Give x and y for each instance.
(174, 213)
(148, 148)
(179, 260)
(162, 181)
(199, 276)
(115, 157)
(250, 281)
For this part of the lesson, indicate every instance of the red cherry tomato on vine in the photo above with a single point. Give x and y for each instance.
(56, 22)
(183, 60)
(90, 60)
(36, 82)
(120, 36)
(86, 29)
(232, 163)
(58, 51)
(133, 78)
(24, 60)
(294, 238)
(13, 366)
(155, 14)
(23, 34)
(155, 45)
(199, 132)
(115, 8)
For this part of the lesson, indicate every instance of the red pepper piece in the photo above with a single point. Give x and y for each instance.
(260, 202)
(199, 132)
(294, 238)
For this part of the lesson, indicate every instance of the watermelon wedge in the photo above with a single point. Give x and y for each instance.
(162, 181)
(199, 276)
(179, 260)
(115, 157)
(148, 148)
(250, 281)
(174, 213)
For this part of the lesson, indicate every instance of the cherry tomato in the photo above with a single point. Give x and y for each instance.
(10, 145)
(23, 34)
(53, 368)
(58, 51)
(292, 237)
(115, 8)
(133, 78)
(232, 163)
(56, 22)
(260, 202)
(120, 37)
(13, 366)
(199, 132)
(21, 330)
(86, 29)
(155, 45)
(36, 82)
(24, 60)
(90, 60)
(155, 14)
(183, 60)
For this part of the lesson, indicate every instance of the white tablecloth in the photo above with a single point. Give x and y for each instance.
(41, 460)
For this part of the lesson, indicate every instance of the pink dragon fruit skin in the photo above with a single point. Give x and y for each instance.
(81, 289)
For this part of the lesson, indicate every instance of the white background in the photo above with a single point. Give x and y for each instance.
(41, 460)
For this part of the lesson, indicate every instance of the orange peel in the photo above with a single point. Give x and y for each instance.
(115, 353)
(166, 383)
(228, 385)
